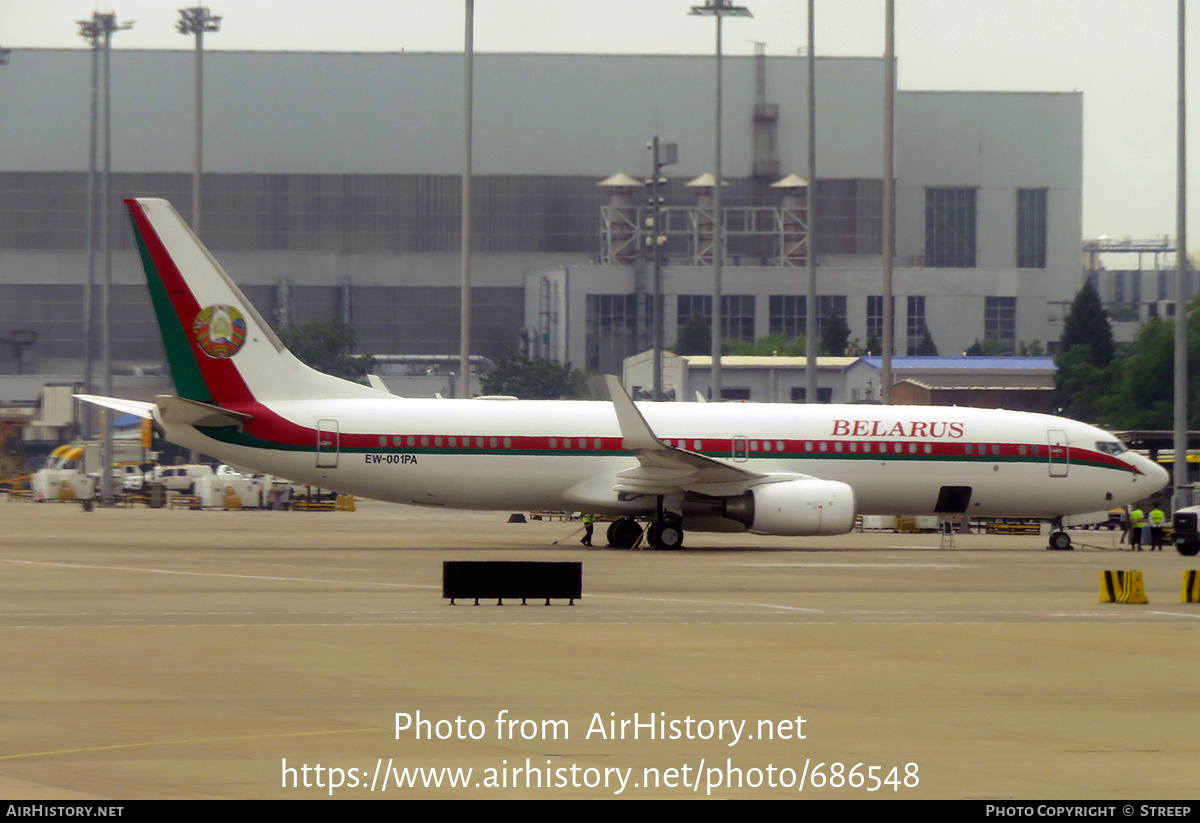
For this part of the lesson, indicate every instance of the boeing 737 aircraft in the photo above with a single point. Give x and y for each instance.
(774, 468)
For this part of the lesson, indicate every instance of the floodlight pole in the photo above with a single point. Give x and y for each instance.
(88, 30)
(656, 239)
(1180, 474)
(812, 342)
(197, 21)
(889, 214)
(463, 385)
(100, 30)
(718, 9)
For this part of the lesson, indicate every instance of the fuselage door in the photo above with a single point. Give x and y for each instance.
(327, 444)
(1060, 461)
(741, 449)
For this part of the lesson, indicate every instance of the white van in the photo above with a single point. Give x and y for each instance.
(182, 478)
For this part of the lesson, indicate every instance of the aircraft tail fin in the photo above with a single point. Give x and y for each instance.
(220, 349)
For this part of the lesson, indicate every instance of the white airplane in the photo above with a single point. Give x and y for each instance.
(779, 469)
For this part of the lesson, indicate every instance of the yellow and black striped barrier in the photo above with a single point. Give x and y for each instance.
(1191, 586)
(1122, 587)
(301, 504)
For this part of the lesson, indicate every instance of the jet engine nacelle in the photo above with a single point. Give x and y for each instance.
(803, 507)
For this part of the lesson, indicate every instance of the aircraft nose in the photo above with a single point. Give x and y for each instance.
(1154, 475)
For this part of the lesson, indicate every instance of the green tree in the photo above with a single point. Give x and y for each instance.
(1144, 399)
(771, 345)
(927, 348)
(326, 345)
(835, 334)
(1084, 391)
(515, 374)
(1087, 325)
(987, 348)
(695, 337)
(1084, 383)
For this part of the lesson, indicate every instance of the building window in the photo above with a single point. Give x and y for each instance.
(1000, 321)
(694, 305)
(950, 228)
(788, 315)
(828, 307)
(875, 322)
(1031, 228)
(916, 323)
(611, 331)
(737, 316)
(737, 313)
(849, 216)
(800, 395)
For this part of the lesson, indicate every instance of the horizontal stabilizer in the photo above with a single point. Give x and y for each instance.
(135, 407)
(194, 413)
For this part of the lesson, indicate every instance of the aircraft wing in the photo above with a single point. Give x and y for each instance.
(665, 469)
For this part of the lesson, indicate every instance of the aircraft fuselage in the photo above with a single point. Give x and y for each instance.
(492, 454)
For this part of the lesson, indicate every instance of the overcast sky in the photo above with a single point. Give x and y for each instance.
(1120, 53)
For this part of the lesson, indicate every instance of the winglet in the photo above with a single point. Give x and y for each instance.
(636, 433)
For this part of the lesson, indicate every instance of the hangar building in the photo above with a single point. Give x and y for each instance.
(332, 189)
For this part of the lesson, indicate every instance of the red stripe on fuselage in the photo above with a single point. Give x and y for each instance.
(271, 426)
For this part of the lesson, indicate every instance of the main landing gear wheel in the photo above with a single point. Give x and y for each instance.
(666, 536)
(622, 534)
(1060, 541)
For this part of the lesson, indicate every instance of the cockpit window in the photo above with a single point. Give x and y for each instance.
(1111, 446)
